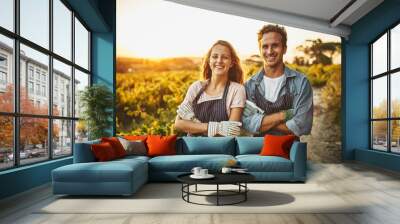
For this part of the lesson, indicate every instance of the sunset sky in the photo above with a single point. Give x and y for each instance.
(159, 29)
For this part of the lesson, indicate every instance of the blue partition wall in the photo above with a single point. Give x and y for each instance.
(356, 98)
(100, 16)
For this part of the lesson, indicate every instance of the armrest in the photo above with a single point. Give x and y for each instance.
(298, 155)
(83, 152)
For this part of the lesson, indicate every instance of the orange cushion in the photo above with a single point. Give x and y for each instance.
(136, 137)
(276, 145)
(161, 145)
(103, 151)
(116, 145)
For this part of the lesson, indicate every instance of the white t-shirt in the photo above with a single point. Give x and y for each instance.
(272, 87)
(236, 96)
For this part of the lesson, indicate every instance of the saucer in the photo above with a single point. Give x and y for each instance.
(208, 176)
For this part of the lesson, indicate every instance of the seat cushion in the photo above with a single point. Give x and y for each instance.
(257, 163)
(184, 163)
(134, 157)
(111, 171)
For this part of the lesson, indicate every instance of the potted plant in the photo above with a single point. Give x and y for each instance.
(96, 102)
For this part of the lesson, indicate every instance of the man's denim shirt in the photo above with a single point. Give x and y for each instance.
(299, 85)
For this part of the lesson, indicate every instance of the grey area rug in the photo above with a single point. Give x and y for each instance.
(166, 198)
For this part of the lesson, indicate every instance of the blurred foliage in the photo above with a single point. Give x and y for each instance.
(317, 52)
(147, 101)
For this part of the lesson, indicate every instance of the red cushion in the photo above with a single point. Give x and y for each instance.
(116, 145)
(276, 145)
(103, 151)
(161, 145)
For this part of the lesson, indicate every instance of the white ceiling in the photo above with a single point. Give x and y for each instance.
(315, 15)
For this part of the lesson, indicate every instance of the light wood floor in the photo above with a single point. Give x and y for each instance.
(377, 188)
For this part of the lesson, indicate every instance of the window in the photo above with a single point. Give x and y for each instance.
(385, 96)
(38, 89)
(7, 14)
(81, 81)
(44, 77)
(62, 74)
(62, 29)
(37, 74)
(6, 73)
(3, 61)
(7, 142)
(81, 45)
(30, 87)
(30, 73)
(44, 91)
(34, 21)
(3, 71)
(47, 91)
(62, 129)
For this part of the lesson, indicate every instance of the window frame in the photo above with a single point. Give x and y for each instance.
(388, 74)
(16, 114)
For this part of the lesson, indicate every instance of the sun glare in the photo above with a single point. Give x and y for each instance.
(161, 29)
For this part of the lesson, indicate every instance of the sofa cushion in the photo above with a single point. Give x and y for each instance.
(206, 145)
(277, 145)
(249, 145)
(257, 163)
(136, 147)
(112, 171)
(103, 151)
(116, 145)
(161, 145)
(185, 163)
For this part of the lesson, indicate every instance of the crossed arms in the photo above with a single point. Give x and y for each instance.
(187, 122)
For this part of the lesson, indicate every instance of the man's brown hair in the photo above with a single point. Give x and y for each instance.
(273, 28)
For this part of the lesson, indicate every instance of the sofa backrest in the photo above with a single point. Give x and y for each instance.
(83, 152)
(190, 146)
(206, 145)
(249, 145)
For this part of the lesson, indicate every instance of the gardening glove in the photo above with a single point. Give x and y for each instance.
(185, 111)
(289, 114)
(251, 108)
(224, 128)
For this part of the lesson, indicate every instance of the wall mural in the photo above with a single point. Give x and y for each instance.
(165, 65)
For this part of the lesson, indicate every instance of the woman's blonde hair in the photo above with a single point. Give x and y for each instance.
(235, 72)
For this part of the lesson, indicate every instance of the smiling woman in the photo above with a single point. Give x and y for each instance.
(214, 106)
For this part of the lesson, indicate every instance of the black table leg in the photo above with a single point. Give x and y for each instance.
(245, 193)
(217, 194)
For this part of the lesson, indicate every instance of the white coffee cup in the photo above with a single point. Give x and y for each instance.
(226, 170)
(203, 172)
(196, 170)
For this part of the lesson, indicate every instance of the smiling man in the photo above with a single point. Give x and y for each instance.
(279, 100)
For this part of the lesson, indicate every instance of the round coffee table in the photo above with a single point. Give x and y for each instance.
(238, 179)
